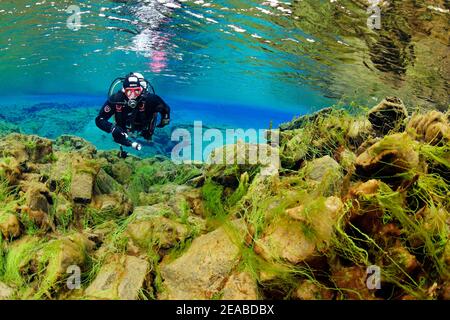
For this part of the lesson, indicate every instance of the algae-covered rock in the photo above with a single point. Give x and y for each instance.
(304, 233)
(6, 292)
(240, 286)
(432, 127)
(157, 231)
(9, 225)
(68, 143)
(325, 173)
(295, 149)
(201, 271)
(228, 163)
(120, 278)
(311, 290)
(388, 115)
(81, 187)
(105, 184)
(10, 170)
(116, 204)
(393, 155)
(26, 147)
(121, 171)
(352, 283)
(56, 256)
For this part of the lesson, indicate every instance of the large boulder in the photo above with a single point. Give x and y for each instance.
(202, 270)
(388, 115)
(120, 278)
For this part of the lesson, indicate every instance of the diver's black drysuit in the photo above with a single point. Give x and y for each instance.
(142, 118)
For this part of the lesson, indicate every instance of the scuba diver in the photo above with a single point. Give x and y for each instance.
(135, 110)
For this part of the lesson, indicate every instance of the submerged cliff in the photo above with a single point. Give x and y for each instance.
(358, 192)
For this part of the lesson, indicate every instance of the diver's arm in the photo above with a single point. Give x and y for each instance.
(163, 108)
(101, 120)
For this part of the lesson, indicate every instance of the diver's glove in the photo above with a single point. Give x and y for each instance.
(120, 136)
(164, 122)
(147, 135)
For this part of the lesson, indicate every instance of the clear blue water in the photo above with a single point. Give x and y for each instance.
(227, 63)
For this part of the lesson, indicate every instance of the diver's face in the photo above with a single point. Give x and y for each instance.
(133, 93)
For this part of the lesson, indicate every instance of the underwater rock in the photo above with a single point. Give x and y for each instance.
(201, 271)
(117, 203)
(391, 156)
(26, 147)
(120, 278)
(36, 195)
(432, 127)
(121, 171)
(365, 213)
(69, 143)
(9, 225)
(228, 163)
(63, 210)
(159, 209)
(156, 231)
(311, 290)
(105, 184)
(325, 173)
(81, 187)
(444, 293)
(351, 282)
(358, 131)
(54, 259)
(195, 201)
(285, 240)
(402, 258)
(11, 169)
(240, 286)
(388, 115)
(303, 234)
(294, 150)
(5, 292)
